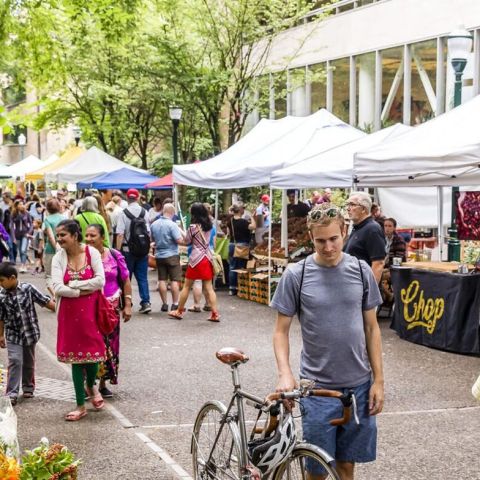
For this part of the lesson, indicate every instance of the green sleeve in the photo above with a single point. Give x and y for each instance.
(106, 242)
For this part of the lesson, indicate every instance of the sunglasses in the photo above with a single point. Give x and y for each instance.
(352, 204)
(317, 214)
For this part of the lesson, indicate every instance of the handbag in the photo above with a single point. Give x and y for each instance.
(107, 318)
(4, 248)
(216, 259)
(239, 251)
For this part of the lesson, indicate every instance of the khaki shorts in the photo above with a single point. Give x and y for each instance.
(169, 268)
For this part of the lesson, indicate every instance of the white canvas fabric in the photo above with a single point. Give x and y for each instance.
(89, 165)
(271, 145)
(332, 167)
(442, 151)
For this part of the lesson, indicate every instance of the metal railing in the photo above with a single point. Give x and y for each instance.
(337, 7)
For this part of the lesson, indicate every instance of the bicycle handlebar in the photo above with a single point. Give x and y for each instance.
(346, 398)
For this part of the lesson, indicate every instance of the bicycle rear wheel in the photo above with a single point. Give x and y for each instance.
(306, 462)
(212, 460)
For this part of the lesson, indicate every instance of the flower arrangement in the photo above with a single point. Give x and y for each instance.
(46, 462)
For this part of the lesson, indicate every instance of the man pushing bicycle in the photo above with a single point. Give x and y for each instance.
(335, 297)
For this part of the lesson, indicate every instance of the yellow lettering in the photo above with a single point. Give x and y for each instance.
(418, 312)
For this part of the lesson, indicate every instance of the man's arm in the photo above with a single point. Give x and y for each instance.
(119, 241)
(374, 349)
(377, 268)
(281, 347)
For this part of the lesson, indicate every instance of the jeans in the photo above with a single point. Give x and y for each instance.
(234, 264)
(22, 245)
(138, 266)
(12, 255)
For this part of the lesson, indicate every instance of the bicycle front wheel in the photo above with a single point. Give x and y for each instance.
(306, 462)
(215, 445)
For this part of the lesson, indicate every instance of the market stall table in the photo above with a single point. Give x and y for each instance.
(436, 307)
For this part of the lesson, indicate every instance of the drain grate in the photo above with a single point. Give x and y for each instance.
(50, 388)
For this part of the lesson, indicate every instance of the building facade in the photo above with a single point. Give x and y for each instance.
(370, 62)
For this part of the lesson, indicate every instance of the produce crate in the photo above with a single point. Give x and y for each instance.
(259, 288)
(243, 284)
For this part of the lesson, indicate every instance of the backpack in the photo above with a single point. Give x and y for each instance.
(139, 239)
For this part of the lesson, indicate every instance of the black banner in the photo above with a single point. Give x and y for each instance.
(440, 310)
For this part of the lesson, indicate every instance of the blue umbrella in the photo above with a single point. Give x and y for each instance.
(122, 179)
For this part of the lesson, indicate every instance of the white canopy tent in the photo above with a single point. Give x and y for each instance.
(271, 145)
(89, 165)
(26, 165)
(334, 167)
(442, 151)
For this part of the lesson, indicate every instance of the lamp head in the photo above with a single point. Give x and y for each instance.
(22, 139)
(460, 43)
(175, 113)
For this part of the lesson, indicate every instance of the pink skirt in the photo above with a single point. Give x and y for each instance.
(201, 271)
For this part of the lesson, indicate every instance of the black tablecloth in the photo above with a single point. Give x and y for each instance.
(436, 309)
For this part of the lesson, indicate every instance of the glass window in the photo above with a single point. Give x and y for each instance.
(297, 91)
(280, 89)
(318, 80)
(341, 88)
(424, 60)
(263, 88)
(392, 86)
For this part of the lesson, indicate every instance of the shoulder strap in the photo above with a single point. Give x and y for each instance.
(129, 214)
(119, 277)
(363, 283)
(85, 218)
(233, 231)
(299, 297)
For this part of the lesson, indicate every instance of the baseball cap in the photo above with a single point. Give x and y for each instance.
(265, 198)
(133, 193)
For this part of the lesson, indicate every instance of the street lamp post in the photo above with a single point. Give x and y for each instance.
(77, 134)
(459, 46)
(175, 116)
(22, 141)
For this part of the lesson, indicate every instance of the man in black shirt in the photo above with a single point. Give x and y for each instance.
(367, 240)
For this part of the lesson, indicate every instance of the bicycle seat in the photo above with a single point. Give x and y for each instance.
(230, 355)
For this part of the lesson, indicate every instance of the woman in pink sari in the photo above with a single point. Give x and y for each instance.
(77, 277)
(118, 291)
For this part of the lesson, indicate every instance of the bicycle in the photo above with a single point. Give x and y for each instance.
(219, 446)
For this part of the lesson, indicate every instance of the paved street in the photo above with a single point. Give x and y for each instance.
(429, 429)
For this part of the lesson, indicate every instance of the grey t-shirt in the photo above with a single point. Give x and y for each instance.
(334, 349)
(123, 222)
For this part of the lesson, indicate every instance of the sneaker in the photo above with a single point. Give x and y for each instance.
(145, 308)
(164, 308)
(13, 400)
(174, 306)
(22, 270)
(106, 393)
(28, 395)
(232, 293)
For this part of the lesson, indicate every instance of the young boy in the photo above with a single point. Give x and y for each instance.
(19, 330)
(37, 245)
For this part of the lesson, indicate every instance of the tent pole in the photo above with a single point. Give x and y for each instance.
(270, 246)
(284, 224)
(216, 207)
(175, 196)
(440, 221)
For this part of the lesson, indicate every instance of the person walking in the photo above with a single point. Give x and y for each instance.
(167, 236)
(367, 240)
(200, 261)
(19, 330)
(335, 296)
(118, 291)
(89, 215)
(133, 241)
(77, 277)
(239, 232)
(22, 229)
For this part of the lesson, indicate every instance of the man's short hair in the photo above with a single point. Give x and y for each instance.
(364, 199)
(324, 214)
(7, 270)
(53, 206)
(169, 208)
(235, 208)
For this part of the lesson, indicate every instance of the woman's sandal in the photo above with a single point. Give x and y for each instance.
(75, 416)
(96, 400)
(195, 309)
(214, 317)
(178, 314)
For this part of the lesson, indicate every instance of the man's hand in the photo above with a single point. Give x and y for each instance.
(376, 398)
(3, 343)
(286, 383)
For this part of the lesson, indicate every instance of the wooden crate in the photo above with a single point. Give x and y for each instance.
(259, 289)
(243, 285)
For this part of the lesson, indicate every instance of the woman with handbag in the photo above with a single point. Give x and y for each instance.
(118, 291)
(239, 232)
(4, 242)
(200, 261)
(77, 280)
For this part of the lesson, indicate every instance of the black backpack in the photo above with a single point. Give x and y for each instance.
(138, 240)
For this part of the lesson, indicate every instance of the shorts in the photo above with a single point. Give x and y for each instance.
(169, 268)
(346, 443)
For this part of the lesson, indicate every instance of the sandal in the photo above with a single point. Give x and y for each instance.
(75, 416)
(214, 317)
(207, 308)
(178, 314)
(195, 309)
(96, 400)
